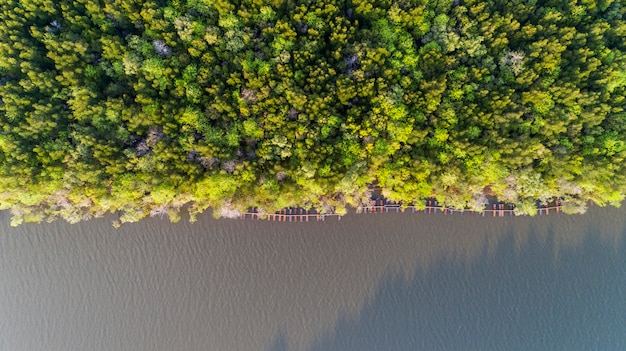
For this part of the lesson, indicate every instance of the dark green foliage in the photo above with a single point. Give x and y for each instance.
(144, 107)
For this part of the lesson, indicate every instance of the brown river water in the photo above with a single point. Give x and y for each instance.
(368, 282)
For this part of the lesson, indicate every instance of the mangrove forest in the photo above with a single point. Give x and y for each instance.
(165, 107)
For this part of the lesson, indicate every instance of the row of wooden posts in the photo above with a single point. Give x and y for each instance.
(383, 206)
(496, 210)
(288, 215)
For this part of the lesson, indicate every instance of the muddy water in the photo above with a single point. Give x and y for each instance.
(367, 282)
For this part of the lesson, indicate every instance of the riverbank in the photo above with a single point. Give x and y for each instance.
(493, 208)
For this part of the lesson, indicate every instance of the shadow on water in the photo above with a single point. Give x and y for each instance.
(369, 282)
(280, 343)
(512, 299)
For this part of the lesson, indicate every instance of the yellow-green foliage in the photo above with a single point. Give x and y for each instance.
(145, 107)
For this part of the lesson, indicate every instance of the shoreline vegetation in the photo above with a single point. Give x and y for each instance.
(153, 107)
(494, 209)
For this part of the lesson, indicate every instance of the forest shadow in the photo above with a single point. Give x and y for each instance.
(510, 299)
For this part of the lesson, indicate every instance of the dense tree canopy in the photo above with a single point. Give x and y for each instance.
(146, 107)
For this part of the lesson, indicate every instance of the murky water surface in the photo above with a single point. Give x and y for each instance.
(369, 282)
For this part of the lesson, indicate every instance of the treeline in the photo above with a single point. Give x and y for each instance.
(147, 107)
